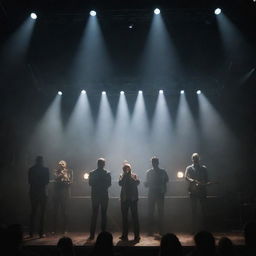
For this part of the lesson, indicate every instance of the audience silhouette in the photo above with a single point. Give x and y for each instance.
(170, 245)
(225, 247)
(103, 245)
(65, 246)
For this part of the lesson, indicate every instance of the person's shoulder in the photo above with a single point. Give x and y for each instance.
(149, 171)
(93, 171)
(189, 167)
(204, 167)
(107, 172)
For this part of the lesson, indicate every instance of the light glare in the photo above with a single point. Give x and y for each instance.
(217, 11)
(122, 92)
(140, 92)
(182, 92)
(86, 176)
(103, 93)
(161, 91)
(59, 92)
(198, 91)
(157, 11)
(180, 175)
(93, 13)
(83, 92)
(33, 16)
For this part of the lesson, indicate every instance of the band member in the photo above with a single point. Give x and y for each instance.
(197, 176)
(63, 178)
(156, 180)
(129, 200)
(38, 178)
(100, 181)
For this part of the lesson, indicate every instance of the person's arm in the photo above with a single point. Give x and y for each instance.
(108, 180)
(121, 179)
(166, 177)
(187, 175)
(136, 179)
(90, 179)
(71, 178)
(146, 183)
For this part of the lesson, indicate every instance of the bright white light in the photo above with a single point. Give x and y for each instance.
(217, 11)
(198, 92)
(86, 176)
(103, 93)
(130, 26)
(161, 91)
(33, 16)
(182, 92)
(59, 92)
(122, 92)
(180, 175)
(83, 92)
(140, 92)
(93, 13)
(157, 11)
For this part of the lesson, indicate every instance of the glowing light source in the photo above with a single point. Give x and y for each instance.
(93, 13)
(86, 175)
(83, 92)
(122, 92)
(161, 91)
(182, 92)
(103, 93)
(180, 175)
(59, 92)
(140, 92)
(33, 16)
(157, 11)
(217, 11)
(198, 92)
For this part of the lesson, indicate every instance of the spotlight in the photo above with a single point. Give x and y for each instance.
(180, 175)
(83, 92)
(122, 92)
(130, 26)
(217, 11)
(157, 11)
(59, 92)
(198, 91)
(161, 91)
(103, 93)
(182, 92)
(86, 175)
(93, 13)
(140, 92)
(33, 16)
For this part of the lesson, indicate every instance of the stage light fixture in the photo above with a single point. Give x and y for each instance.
(59, 92)
(140, 92)
(86, 175)
(103, 93)
(83, 92)
(180, 175)
(217, 11)
(33, 16)
(198, 92)
(93, 13)
(157, 11)
(130, 26)
(182, 92)
(122, 92)
(161, 91)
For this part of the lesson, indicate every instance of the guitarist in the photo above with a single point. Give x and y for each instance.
(197, 176)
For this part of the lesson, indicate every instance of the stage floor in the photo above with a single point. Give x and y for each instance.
(80, 239)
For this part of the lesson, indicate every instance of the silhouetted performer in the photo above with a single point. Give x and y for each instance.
(156, 180)
(63, 178)
(100, 181)
(197, 176)
(129, 200)
(38, 178)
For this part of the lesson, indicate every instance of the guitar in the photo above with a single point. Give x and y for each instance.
(199, 187)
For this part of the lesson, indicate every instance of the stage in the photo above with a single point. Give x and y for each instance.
(80, 239)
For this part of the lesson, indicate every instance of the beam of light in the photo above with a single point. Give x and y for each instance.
(217, 11)
(157, 11)
(47, 140)
(217, 139)
(104, 126)
(16, 47)
(33, 16)
(93, 13)
(187, 138)
(247, 76)
(79, 131)
(234, 44)
(86, 67)
(120, 136)
(139, 133)
(162, 130)
(159, 63)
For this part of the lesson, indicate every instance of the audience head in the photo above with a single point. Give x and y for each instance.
(39, 160)
(205, 243)
(104, 244)
(250, 234)
(101, 163)
(65, 246)
(225, 247)
(170, 245)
